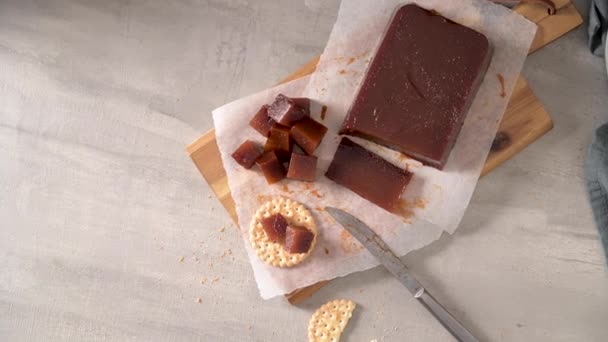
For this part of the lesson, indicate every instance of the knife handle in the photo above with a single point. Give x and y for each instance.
(445, 318)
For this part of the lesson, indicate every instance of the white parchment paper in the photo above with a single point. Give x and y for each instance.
(433, 202)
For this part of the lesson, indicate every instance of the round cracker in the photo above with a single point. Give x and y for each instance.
(271, 252)
(329, 321)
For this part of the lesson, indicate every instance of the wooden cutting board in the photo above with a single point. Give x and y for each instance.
(524, 121)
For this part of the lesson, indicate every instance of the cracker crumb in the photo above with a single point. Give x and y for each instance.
(203, 280)
(199, 300)
(215, 280)
(316, 193)
(181, 258)
(209, 196)
(226, 252)
(222, 228)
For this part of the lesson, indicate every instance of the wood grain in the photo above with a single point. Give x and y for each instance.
(524, 121)
(551, 27)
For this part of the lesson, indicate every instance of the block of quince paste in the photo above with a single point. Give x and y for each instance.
(279, 141)
(275, 227)
(273, 253)
(261, 122)
(285, 111)
(271, 167)
(420, 85)
(302, 167)
(308, 133)
(329, 321)
(247, 153)
(298, 239)
(368, 175)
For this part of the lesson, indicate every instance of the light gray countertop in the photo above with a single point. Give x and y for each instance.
(99, 201)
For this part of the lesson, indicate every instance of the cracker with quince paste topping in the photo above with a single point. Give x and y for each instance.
(271, 252)
(329, 321)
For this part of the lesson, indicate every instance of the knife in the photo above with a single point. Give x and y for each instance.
(385, 255)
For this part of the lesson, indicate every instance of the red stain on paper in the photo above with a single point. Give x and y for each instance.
(315, 193)
(348, 244)
(263, 198)
(406, 208)
(323, 112)
(403, 157)
(501, 79)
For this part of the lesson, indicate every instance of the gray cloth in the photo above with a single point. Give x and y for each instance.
(597, 182)
(598, 24)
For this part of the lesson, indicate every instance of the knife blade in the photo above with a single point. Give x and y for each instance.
(379, 249)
